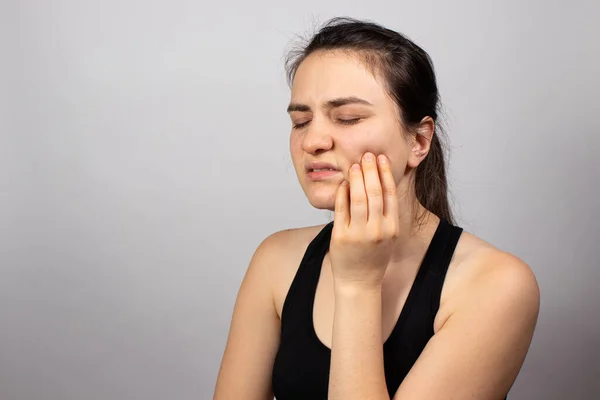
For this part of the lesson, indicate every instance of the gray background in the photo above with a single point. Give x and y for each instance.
(144, 156)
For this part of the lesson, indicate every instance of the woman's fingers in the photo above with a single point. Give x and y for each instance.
(358, 197)
(341, 214)
(388, 185)
(369, 194)
(372, 188)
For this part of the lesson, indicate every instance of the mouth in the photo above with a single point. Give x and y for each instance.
(319, 171)
(320, 174)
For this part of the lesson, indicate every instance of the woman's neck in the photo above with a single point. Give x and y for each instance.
(415, 234)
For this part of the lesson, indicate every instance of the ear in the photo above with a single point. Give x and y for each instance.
(421, 142)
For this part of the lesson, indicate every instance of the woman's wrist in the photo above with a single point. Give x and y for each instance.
(356, 288)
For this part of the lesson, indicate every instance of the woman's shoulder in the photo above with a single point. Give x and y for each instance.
(479, 271)
(288, 244)
(476, 258)
(281, 253)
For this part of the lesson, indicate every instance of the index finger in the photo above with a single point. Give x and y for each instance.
(341, 215)
(388, 186)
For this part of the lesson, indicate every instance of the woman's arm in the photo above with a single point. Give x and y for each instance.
(357, 345)
(253, 340)
(480, 348)
(476, 354)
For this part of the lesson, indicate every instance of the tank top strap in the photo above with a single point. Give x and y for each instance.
(300, 296)
(318, 246)
(439, 256)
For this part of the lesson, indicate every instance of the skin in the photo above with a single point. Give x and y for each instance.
(490, 299)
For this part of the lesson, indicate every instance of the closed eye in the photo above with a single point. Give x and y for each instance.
(343, 121)
(300, 125)
(351, 121)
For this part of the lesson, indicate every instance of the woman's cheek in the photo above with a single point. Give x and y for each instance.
(358, 144)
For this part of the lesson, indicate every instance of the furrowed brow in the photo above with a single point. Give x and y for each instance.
(334, 103)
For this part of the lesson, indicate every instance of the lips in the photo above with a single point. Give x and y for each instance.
(320, 167)
(321, 171)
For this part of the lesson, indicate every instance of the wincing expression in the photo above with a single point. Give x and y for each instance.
(339, 111)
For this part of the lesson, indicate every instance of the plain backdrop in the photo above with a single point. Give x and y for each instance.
(144, 155)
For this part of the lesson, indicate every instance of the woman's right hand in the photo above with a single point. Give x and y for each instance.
(366, 223)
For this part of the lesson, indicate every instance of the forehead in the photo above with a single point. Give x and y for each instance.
(326, 75)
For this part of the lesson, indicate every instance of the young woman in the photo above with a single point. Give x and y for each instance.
(390, 300)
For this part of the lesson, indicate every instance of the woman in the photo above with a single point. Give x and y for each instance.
(390, 300)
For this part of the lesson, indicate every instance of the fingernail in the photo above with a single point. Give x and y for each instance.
(368, 157)
(356, 167)
(382, 159)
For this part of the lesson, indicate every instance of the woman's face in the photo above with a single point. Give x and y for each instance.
(339, 111)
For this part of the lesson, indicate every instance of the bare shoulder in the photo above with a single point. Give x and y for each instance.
(254, 332)
(487, 321)
(482, 272)
(283, 252)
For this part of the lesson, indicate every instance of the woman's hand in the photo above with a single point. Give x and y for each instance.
(366, 224)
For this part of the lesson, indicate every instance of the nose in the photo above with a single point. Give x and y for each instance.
(316, 138)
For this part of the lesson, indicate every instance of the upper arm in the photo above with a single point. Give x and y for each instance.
(253, 339)
(480, 349)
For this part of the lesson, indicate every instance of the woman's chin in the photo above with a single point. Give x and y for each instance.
(324, 206)
(322, 201)
(321, 195)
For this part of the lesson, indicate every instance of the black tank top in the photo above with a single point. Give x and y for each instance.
(301, 367)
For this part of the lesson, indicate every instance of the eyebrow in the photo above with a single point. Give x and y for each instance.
(341, 101)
